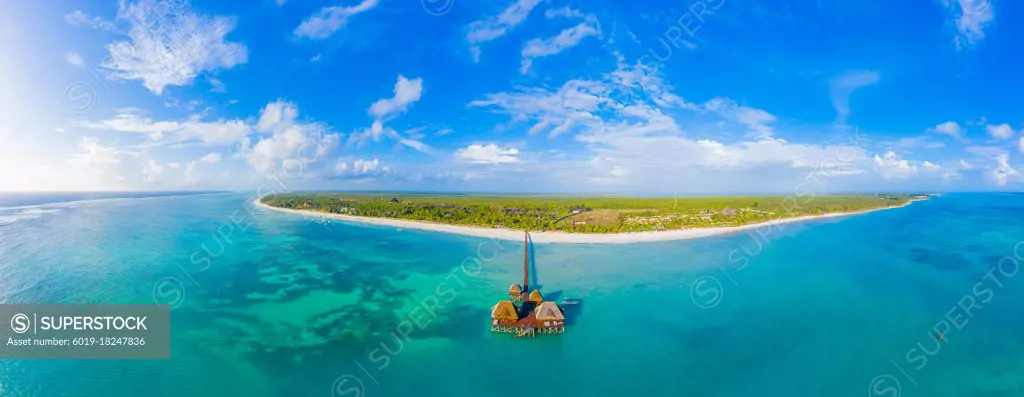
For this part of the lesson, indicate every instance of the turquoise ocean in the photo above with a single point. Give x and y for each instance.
(917, 301)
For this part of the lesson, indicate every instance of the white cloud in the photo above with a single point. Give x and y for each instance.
(374, 133)
(630, 123)
(842, 87)
(174, 166)
(662, 151)
(291, 143)
(660, 158)
(74, 59)
(563, 12)
(275, 114)
(890, 166)
(285, 137)
(220, 132)
(995, 161)
(1000, 131)
(210, 158)
(95, 166)
(360, 168)
(170, 45)
(487, 154)
(757, 120)
(151, 171)
(1020, 145)
(950, 128)
(928, 166)
(965, 165)
(580, 104)
(637, 82)
(486, 30)
(377, 130)
(568, 38)
(315, 58)
(92, 153)
(217, 86)
(1003, 172)
(914, 142)
(971, 17)
(189, 176)
(574, 104)
(329, 19)
(419, 146)
(406, 93)
(990, 152)
(363, 166)
(619, 171)
(631, 92)
(80, 19)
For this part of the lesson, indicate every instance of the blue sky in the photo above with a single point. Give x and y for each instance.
(644, 97)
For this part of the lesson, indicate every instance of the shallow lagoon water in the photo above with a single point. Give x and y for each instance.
(292, 307)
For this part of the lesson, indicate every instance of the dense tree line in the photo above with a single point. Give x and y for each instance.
(571, 214)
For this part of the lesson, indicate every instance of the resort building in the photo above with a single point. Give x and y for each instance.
(550, 318)
(504, 314)
(515, 293)
(530, 316)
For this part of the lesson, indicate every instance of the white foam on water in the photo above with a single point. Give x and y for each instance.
(8, 217)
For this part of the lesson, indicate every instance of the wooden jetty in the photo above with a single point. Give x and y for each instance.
(525, 313)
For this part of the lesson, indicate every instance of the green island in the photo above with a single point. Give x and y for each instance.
(581, 214)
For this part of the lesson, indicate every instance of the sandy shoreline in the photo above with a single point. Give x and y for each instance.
(563, 237)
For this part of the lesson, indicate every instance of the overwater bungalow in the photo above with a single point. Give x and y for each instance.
(515, 292)
(504, 315)
(536, 297)
(550, 318)
(530, 316)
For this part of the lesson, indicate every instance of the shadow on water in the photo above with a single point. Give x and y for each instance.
(552, 296)
(572, 312)
(534, 280)
(573, 309)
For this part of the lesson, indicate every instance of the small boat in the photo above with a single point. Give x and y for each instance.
(570, 302)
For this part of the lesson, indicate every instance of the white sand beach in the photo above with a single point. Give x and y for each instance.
(563, 237)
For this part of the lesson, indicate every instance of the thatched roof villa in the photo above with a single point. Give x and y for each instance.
(526, 318)
(536, 297)
(504, 313)
(515, 293)
(548, 312)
